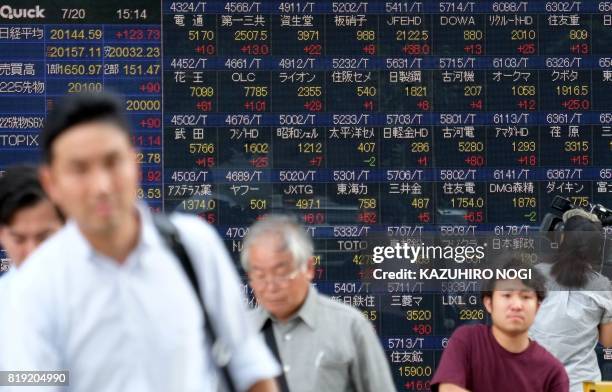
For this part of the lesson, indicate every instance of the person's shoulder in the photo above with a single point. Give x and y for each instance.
(346, 318)
(339, 310)
(194, 230)
(599, 282)
(257, 316)
(191, 224)
(543, 268)
(467, 339)
(470, 331)
(550, 366)
(544, 356)
(203, 243)
(47, 267)
(54, 253)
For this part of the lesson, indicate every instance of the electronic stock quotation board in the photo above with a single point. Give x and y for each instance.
(360, 117)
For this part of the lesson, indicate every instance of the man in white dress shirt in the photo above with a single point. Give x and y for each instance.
(104, 297)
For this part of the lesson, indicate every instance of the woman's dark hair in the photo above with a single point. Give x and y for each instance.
(578, 252)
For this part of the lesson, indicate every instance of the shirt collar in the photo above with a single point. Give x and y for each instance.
(147, 236)
(307, 312)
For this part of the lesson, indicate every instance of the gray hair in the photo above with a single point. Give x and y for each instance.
(291, 233)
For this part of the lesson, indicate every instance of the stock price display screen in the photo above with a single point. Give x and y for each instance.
(360, 117)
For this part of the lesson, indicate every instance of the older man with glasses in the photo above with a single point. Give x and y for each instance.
(322, 344)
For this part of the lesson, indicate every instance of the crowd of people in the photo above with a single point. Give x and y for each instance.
(125, 304)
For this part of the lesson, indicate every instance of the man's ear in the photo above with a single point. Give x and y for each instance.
(310, 268)
(488, 303)
(46, 180)
(3, 234)
(134, 156)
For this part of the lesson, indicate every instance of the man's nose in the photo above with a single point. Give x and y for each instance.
(516, 303)
(101, 181)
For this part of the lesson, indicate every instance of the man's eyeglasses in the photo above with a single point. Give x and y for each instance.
(281, 280)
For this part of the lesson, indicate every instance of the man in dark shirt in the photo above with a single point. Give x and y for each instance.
(501, 358)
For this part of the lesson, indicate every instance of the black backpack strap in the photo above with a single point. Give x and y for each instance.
(170, 234)
(269, 335)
